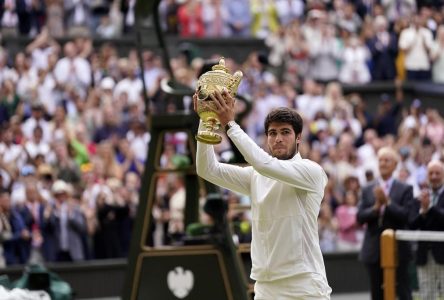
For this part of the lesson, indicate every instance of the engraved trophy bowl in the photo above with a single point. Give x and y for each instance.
(217, 79)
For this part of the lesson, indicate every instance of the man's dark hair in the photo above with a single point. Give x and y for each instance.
(284, 115)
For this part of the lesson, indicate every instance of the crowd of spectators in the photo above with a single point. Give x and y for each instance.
(351, 41)
(74, 136)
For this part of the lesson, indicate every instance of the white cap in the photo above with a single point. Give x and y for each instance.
(107, 83)
(60, 186)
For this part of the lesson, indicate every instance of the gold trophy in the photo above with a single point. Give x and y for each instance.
(216, 80)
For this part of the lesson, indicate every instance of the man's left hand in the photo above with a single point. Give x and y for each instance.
(224, 106)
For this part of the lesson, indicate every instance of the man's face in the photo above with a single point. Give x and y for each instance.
(387, 164)
(281, 140)
(436, 176)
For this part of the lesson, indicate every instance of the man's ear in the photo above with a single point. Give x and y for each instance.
(298, 138)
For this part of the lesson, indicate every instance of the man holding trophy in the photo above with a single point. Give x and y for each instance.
(285, 190)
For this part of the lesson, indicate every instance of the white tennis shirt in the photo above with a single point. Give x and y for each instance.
(285, 196)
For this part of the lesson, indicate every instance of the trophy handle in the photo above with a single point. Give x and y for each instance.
(234, 82)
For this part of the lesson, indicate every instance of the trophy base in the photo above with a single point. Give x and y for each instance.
(208, 137)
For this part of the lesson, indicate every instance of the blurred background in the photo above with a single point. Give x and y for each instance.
(80, 81)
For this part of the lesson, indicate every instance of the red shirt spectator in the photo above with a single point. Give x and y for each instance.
(190, 19)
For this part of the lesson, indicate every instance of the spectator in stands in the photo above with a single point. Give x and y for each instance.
(384, 49)
(6, 72)
(324, 52)
(37, 120)
(239, 17)
(65, 166)
(129, 193)
(5, 226)
(54, 18)
(354, 59)
(61, 125)
(289, 11)
(348, 19)
(111, 211)
(16, 246)
(265, 18)
(311, 101)
(396, 9)
(30, 16)
(130, 84)
(107, 29)
(215, 18)
(12, 156)
(437, 56)
(168, 12)
(152, 72)
(264, 102)
(296, 57)
(37, 146)
(46, 90)
(73, 70)
(110, 126)
(416, 116)
(349, 230)
(176, 224)
(334, 100)
(46, 177)
(9, 18)
(33, 215)
(417, 41)
(430, 216)
(387, 115)
(386, 203)
(27, 77)
(127, 7)
(328, 229)
(99, 9)
(423, 156)
(9, 101)
(77, 16)
(69, 224)
(433, 129)
(138, 138)
(361, 113)
(112, 168)
(190, 17)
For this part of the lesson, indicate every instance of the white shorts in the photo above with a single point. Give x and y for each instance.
(304, 286)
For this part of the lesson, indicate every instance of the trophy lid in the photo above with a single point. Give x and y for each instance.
(220, 66)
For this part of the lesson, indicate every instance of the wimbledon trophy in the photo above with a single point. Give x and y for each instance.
(211, 81)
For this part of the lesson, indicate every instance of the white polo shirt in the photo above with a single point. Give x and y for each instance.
(286, 197)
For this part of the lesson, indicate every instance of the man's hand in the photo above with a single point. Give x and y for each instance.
(380, 197)
(224, 106)
(424, 199)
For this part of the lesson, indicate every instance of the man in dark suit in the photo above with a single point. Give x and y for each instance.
(384, 49)
(70, 224)
(16, 242)
(430, 216)
(386, 203)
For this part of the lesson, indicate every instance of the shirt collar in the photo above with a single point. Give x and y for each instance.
(297, 156)
(439, 191)
(388, 181)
